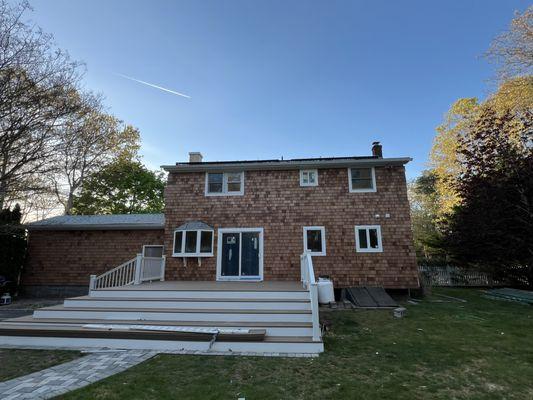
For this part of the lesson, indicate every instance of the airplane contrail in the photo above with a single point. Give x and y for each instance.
(154, 86)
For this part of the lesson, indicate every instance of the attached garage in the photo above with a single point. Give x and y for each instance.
(64, 251)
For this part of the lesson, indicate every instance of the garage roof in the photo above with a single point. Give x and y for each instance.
(100, 222)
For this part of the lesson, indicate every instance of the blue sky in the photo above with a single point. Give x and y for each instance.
(281, 78)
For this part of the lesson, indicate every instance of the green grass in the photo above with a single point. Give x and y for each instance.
(16, 362)
(482, 349)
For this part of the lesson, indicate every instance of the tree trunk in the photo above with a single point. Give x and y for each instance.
(70, 203)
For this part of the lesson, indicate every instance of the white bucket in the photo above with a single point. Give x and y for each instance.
(325, 291)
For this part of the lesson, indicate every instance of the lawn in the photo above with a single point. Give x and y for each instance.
(481, 349)
(16, 362)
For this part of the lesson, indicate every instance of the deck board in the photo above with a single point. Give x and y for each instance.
(292, 286)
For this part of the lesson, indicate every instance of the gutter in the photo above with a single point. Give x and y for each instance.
(286, 165)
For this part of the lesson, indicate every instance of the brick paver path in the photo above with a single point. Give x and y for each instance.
(71, 375)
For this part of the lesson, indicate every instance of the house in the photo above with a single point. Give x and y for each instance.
(239, 246)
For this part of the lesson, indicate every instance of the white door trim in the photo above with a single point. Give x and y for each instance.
(219, 254)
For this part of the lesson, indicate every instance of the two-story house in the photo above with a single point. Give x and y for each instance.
(232, 261)
(251, 220)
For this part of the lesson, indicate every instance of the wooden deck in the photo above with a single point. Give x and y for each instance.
(215, 285)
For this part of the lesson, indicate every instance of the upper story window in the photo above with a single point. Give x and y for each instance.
(224, 183)
(362, 180)
(308, 177)
(315, 240)
(368, 239)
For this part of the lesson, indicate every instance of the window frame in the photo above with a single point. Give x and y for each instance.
(198, 253)
(302, 183)
(367, 228)
(367, 190)
(322, 229)
(153, 245)
(225, 191)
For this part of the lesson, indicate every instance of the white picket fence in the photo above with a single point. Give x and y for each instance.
(455, 276)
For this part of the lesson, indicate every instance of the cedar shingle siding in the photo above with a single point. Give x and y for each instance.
(69, 257)
(275, 201)
(272, 200)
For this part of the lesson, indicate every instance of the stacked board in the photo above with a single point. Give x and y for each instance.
(522, 296)
(370, 297)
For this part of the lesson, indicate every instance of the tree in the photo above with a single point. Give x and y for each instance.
(89, 140)
(122, 187)
(37, 81)
(513, 50)
(445, 153)
(492, 228)
(12, 245)
(423, 197)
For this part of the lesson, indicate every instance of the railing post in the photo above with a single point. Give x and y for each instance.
(163, 261)
(313, 291)
(302, 270)
(92, 282)
(138, 269)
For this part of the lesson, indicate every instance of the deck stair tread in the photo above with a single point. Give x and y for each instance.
(174, 310)
(181, 299)
(213, 286)
(28, 319)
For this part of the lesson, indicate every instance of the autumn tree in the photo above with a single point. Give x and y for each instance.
(122, 187)
(445, 154)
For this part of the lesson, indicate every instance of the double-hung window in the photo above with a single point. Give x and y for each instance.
(224, 183)
(361, 180)
(315, 240)
(368, 239)
(308, 177)
(193, 243)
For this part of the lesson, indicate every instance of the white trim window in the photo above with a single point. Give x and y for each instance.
(224, 183)
(368, 239)
(193, 243)
(308, 177)
(361, 180)
(315, 240)
(153, 250)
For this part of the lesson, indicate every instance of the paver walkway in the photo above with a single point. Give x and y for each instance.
(71, 375)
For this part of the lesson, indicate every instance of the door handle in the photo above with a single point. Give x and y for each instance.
(230, 254)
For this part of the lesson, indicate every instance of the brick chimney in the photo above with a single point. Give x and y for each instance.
(377, 150)
(195, 157)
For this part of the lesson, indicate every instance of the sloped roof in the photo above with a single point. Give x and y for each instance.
(100, 222)
(193, 225)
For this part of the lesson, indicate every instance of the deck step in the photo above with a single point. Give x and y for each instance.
(25, 332)
(199, 294)
(272, 328)
(174, 314)
(289, 345)
(180, 303)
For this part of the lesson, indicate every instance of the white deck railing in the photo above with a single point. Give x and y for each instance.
(133, 272)
(309, 283)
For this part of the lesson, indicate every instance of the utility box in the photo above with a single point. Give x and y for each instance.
(325, 291)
